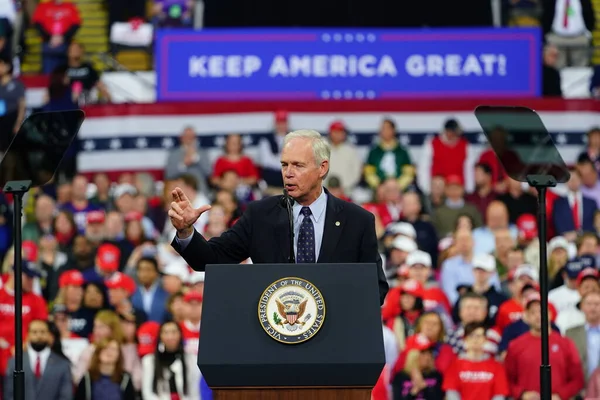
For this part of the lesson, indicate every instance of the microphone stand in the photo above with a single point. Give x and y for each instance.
(288, 205)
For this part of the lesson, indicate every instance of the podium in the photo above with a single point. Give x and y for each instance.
(291, 331)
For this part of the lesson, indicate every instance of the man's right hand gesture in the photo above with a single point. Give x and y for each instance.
(183, 215)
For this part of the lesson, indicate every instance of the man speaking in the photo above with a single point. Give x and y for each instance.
(328, 229)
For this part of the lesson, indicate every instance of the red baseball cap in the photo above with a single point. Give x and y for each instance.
(587, 273)
(412, 287)
(454, 180)
(531, 298)
(527, 225)
(30, 250)
(337, 126)
(193, 295)
(119, 280)
(133, 216)
(108, 257)
(281, 116)
(71, 278)
(147, 336)
(419, 342)
(95, 217)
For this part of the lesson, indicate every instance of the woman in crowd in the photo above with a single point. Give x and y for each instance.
(474, 375)
(419, 379)
(234, 159)
(134, 230)
(407, 303)
(169, 373)
(431, 325)
(94, 297)
(107, 325)
(55, 341)
(217, 222)
(177, 307)
(106, 378)
(65, 230)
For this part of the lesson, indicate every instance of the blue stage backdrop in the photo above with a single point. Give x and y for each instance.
(309, 64)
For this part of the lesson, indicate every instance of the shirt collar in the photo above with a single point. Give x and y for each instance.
(152, 288)
(43, 354)
(317, 208)
(594, 329)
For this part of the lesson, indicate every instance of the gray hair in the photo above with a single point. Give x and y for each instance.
(320, 147)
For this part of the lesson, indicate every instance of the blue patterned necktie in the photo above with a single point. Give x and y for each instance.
(306, 239)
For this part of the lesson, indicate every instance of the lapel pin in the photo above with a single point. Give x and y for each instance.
(337, 223)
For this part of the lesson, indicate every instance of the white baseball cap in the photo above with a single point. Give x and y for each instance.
(526, 270)
(558, 242)
(485, 262)
(403, 228)
(179, 269)
(405, 244)
(418, 257)
(196, 277)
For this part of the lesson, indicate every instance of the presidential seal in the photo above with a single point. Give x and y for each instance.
(291, 310)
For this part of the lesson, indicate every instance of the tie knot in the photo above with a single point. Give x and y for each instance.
(305, 211)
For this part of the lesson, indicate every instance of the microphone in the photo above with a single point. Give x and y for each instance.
(288, 202)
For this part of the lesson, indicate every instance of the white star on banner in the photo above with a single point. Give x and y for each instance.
(141, 143)
(404, 140)
(89, 145)
(220, 141)
(115, 144)
(481, 138)
(561, 138)
(168, 142)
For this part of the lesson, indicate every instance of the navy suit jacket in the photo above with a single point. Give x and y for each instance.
(263, 232)
(158, 309)
(562, 215)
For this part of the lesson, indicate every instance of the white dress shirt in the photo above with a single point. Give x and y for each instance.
(33, 357)
(576, 195)
(317, 209)
(148, 296)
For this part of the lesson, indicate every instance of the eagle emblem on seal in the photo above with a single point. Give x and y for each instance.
(291, 306)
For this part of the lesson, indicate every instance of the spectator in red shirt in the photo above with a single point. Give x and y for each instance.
(524, 354)
(235, 160)
(419, 268)
(474, 375)
(190, 327)
(57, 23)
(419, 379)
(512, 310)
(431, 325)
(34, 307)
(408, 308)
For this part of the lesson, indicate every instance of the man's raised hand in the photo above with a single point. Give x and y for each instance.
(182, 214)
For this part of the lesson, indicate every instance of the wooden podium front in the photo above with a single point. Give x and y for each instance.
(291, 393)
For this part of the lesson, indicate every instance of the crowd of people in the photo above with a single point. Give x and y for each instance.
(115, 308)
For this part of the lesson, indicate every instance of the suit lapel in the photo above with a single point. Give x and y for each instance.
(332, 232)
(281, 232)
(47, 375)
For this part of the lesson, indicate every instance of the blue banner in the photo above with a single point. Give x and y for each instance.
(310, 64)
